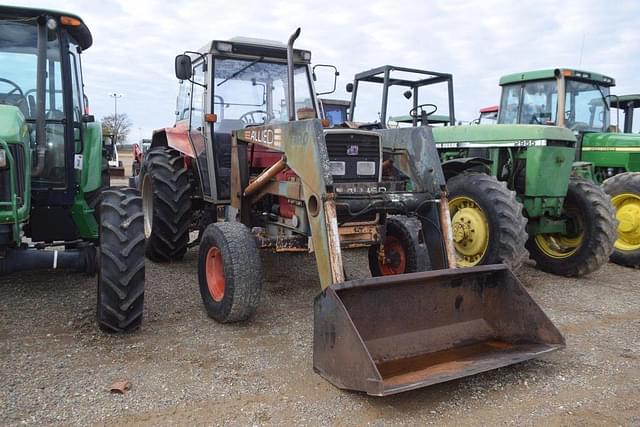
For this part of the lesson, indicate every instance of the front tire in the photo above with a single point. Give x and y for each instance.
(166, 196)
(624, 190)
(487, 221)
(121, 262)
(229, 272)
(403, 253)
(587, 247)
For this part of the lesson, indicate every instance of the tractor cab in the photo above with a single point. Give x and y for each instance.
(406, 96)
(230, 85)
(627, 104)
(42, 109)
(578, 100)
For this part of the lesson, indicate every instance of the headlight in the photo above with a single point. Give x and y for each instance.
(366, 168)
(3, 159)
(338, 168)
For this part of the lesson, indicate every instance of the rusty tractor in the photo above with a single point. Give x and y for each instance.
(250, 166)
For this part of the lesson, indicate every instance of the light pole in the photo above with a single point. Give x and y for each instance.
(115, 97)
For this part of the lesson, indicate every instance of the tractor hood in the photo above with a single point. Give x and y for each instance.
(518, 135)
(611, 142)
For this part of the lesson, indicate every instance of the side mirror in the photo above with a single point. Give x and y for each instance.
(349, 87)
(183, 67)
(326, 69)
(88, 118)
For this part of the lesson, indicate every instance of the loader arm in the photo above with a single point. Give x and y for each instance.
(305, 152)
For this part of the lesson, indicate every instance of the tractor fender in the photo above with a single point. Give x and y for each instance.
(454, 167)
(176, 137)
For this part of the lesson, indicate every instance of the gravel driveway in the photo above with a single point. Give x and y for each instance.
(186, 369)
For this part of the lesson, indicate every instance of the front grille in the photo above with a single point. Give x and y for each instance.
(352, 147)
(17, 152)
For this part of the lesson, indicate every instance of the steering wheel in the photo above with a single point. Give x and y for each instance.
(16, 88)
(413, 113)
(249, 118)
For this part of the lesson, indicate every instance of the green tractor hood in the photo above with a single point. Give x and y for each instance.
(504, 135)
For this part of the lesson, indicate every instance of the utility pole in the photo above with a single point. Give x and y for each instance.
(115, 97)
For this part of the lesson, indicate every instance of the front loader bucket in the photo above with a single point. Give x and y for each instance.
(391, 334)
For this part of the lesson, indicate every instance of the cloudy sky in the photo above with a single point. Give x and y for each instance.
(135, 42)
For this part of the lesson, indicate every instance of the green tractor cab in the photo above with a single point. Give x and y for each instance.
(627, 104)
(497, 173)
(53, 193)
(580, 101)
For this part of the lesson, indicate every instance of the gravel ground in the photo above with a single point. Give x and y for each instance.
(184, 368)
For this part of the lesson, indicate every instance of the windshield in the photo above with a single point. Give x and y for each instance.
(255, 92)
(18, 81)
(533, 103)
(587, 106)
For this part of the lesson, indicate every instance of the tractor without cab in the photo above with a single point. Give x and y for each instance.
(250, 165)
(54, 186)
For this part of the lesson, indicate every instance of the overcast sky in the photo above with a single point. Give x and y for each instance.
(135, 42)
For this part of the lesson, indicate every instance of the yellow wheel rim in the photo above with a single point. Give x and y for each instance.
(628, 215)
(560, 246)
(470, 231)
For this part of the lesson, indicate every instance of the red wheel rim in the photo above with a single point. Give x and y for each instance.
(395, 258)
(214, 269)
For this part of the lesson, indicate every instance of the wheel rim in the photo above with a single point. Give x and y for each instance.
(147, 205)
(214, 269)
(560, 246)
(470, 229)
(394, 260)
(628, 215)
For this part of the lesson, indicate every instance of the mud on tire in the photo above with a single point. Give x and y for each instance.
(624, 190)
(166, 193)
(592, 208)
(229, 272)
(121, 262)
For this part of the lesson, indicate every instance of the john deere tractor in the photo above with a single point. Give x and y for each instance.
(496, 174)
(580, 101)
(56, 209)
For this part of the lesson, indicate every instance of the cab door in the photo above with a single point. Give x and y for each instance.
(198, 126)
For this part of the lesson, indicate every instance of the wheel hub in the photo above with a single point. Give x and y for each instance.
(214, 269)
(393, 260)
(147, 205)
(628, 216)
(469, 227)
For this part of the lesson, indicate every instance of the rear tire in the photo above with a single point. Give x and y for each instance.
(166, 194)
(587, 249)
(487, 221)
(403, 252)
(121, 262)
(624, 190)
(229, 272)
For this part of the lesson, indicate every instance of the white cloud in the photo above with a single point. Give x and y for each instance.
(135, 42)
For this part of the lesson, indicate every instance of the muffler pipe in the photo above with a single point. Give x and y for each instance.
(291, 102)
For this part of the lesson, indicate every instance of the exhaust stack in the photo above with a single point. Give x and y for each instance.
(291, 102)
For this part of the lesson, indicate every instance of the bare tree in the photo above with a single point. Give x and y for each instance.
(119, 126)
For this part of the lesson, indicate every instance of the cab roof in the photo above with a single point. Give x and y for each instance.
(551, 73)
(255, 48)
(623, 101)
(78, 29)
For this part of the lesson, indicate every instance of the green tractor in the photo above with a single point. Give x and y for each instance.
(498, 173)
(580, 101)
(54, 188)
